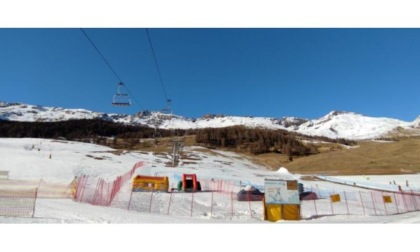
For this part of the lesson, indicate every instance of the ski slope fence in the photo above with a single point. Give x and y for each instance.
(218, 204)
(45, 188)
(206, 204)
(218, 200)
(370, 203)
(372, 185)
(98, 191)
(18, 203)
(18, 197)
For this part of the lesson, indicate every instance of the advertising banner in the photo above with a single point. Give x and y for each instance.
(281, 191)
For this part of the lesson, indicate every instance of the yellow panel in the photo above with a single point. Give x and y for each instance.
(73, 188)
(387, 199)
(291, 212)
(335, 198)
(273, 212)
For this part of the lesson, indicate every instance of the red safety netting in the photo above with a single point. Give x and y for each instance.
(218, 199)
(98, 191)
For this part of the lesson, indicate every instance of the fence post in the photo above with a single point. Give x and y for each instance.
(98, 192)
(94, 195)
(109, 194)
(36, 195)
(101, 185)
(192, 203)
(211, 206)
(101, 192)
(373, 201)
(319, 192)
(82, 187)
(332, 208)
(386, 211)
(396, 205)
(105, 200)
(40, 182)
(413, 199)
(316, 210)
(151, 197)
(85, 185)
(361, 200)
(170, 200)
(405, 203)
(231, 200)
(347, 204)
(249, 203)
(116, 187)
(129, 202)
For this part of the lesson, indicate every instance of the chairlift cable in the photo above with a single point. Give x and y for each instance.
(102, 56)
(157, 67)
(135, 99)
(110, 67)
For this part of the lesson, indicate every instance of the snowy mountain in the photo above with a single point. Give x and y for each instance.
(351, 125)
(336, 124)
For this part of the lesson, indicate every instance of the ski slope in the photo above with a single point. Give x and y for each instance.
(56, 161)
(60, 161)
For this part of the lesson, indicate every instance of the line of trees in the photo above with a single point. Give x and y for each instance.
(74, 129)
(256, 141)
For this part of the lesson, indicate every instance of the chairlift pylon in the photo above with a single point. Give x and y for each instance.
(168, 109)
(121, 99)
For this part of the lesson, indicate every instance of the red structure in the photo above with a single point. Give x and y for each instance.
(189, 183)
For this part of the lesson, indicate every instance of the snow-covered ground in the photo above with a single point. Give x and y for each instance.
(60, 161)
(37, 161)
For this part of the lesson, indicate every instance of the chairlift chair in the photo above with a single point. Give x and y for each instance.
(121, 99)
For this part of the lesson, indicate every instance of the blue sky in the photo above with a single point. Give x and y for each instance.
(271, 72)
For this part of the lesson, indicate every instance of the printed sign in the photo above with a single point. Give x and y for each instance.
(387, 199)
(335, 198)
(281, 192)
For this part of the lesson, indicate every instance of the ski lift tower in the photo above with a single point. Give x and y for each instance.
(178, 144)
(168, 109)
(169, 104)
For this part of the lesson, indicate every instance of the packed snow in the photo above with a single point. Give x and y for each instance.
(283, 173)
(32, 159)
(56, 161)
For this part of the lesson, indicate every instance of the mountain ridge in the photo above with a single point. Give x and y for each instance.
(336, 124)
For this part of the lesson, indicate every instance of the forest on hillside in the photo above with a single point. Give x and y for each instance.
(255, 141)
(251, 140)
(258, 140)
(75, 129)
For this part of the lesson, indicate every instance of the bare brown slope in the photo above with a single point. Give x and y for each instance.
(371, 157)
(368, 157)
